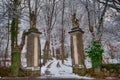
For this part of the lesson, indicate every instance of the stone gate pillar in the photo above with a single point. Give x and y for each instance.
(77, 52)
(33, 52)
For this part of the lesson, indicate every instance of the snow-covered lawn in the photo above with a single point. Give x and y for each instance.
(55, 68)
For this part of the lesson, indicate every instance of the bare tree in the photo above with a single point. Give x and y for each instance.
(63, 32)
(91, 28)
(96, 27)
(49, 17)
(14, 11)
(33, 12)
(112, 3)
(5, 25)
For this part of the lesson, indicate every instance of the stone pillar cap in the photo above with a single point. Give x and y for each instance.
(34, 30)
(76, 29)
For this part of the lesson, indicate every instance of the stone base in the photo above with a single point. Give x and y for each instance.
(79, 66)
(32, 68)
(33, 71)
(79, 71)
(76, 29)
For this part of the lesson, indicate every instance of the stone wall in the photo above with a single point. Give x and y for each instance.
(107, 70)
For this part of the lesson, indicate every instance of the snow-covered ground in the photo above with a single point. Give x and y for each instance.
(55, 68)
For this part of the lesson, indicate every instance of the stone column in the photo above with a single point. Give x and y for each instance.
(33, 52)
(77, 52)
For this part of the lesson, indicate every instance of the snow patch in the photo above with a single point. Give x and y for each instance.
(54, 68)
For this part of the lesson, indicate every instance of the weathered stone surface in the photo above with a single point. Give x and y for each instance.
(33, 51)
(77, 46)
(30, 50)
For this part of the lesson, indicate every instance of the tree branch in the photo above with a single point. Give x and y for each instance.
(23, 40)
(110, 4)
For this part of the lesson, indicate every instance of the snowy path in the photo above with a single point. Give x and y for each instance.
(55, 69)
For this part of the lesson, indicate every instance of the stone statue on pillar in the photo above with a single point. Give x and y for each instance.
(77, 50)
(75, 21)
(32, 19)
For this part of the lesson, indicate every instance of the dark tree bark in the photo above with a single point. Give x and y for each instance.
(100, 23)
(91, 29)
(63, 34)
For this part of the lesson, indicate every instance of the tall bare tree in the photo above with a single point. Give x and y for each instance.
(49, 14)
(96, 27)
(15, 13)
(112, 3)
(63, 32)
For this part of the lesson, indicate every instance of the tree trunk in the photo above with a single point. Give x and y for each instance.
(53, 52)
(46, 51)
(6, 50)
(22, 45)
(63, 34)
(91, 29)
(101, 20)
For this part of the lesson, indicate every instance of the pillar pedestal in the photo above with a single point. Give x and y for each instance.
(77, 52)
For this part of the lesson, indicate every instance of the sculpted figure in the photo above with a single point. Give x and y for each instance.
(75, 21)
(32, 19)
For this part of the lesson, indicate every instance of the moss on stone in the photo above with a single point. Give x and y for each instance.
(107, 70)
(35, 30)
(111, 66)
(79, 71)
